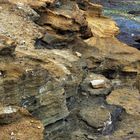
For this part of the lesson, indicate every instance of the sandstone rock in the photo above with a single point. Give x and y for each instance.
(92, 9)
(9, 114)
(68, 18)
(32, 3)
(128, 98)
(44, 80)
(22, 125)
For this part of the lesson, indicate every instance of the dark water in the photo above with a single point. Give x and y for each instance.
(129, 24)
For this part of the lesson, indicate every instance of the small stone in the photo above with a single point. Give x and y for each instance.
(91, 137)
(0, 73)
(39, 127)
(12, 134)
(98, 83)
(84, 93)
(132, 34)
(78, 54)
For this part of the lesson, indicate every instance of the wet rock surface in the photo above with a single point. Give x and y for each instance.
(62, 62)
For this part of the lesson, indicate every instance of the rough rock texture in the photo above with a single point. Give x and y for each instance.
(127, 98)
(7, 46)
(61, 46)
(17, 123)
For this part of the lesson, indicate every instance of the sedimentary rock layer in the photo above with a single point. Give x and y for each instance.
(51, 55)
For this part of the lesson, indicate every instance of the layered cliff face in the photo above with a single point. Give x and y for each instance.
(61, 61)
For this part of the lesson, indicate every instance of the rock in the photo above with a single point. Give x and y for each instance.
(76, 135)
(101, 118)
(17, 124)
(78, 54)
(7, 46)
(96, 84)
(128, 98)
(34, 4)
(95, 116)
(28, 11)
(48, 81)
(91, 8)
(67, 19)
(54, 41)
(9, 114)
(52, 106)
(128, 129)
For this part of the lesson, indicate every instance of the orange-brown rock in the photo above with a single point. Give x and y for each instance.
(21, 125)
(127, 98)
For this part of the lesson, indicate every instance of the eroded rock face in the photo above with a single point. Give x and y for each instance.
(61, 63)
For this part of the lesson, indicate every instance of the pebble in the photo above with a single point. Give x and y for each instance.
(78, 54)
(84, 93)
(98, 83)
(12, 134)
(39, 127)
(0, 73)
(132, 34)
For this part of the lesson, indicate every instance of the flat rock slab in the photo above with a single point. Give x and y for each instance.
(95, 116)
(128, 98)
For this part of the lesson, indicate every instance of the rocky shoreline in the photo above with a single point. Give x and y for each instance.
(61, 65)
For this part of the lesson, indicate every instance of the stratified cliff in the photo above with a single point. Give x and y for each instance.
(60, 60)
